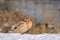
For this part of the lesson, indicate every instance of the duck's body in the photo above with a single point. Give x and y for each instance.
(23, 26)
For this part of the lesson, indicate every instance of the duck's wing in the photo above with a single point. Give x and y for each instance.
(22, 27)
(21, 24)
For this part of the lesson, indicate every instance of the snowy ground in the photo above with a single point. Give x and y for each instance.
(11, 36)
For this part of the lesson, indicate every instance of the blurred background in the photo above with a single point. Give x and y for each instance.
(40, 10)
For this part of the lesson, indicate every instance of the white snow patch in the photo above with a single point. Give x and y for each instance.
(16, 36)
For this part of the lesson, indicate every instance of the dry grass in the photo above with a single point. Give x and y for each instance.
(41, 28)
(8, 17)
(14, 17)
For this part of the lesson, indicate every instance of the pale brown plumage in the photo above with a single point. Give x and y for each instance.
(24, 26)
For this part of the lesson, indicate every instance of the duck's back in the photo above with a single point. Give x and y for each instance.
(21, 28)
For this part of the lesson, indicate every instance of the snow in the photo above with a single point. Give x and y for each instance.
(16, 36)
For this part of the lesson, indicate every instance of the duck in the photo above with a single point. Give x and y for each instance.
(23, 26)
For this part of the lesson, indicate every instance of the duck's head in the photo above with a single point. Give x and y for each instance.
(27, 18)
